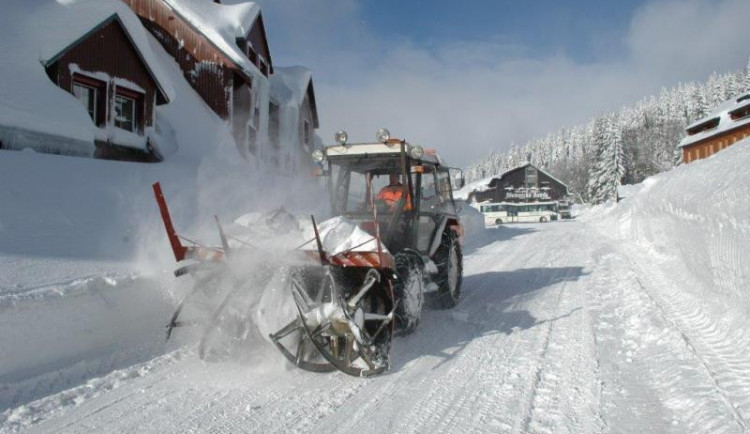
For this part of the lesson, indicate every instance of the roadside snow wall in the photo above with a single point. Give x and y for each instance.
(695, 220)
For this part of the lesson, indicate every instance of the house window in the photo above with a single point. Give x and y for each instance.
(708, 125)
(125, 113)
(92, 94)
(306, 134)
(740, 113)
(87, 96)
(531, 177)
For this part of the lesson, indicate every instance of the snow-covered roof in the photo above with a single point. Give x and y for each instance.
(726, 123)
(529, 164)
(32, 32)
(290, 84)
(222, 24)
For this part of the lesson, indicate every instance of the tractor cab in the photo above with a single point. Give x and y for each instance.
(394, 189)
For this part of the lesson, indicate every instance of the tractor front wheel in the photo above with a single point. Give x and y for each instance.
(409, 292)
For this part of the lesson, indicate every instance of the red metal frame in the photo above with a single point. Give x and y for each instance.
(180, 251)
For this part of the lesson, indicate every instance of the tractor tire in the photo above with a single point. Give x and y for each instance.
(409, 292)
(449, 262)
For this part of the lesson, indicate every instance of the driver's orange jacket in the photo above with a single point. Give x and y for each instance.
(391, 194)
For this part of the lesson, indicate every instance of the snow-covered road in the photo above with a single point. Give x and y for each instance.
(560, 329)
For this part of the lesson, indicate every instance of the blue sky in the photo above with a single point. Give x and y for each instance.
(584, 30)
(469, 77)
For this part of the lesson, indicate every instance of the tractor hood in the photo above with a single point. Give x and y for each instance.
(340, 234)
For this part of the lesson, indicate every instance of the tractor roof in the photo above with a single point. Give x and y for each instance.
(379, 150)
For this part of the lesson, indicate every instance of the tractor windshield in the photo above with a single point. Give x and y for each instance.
(354, 181)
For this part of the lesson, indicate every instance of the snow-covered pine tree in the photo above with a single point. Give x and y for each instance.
(745, 81)
(597, 179)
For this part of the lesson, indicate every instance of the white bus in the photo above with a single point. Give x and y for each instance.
(497, 213)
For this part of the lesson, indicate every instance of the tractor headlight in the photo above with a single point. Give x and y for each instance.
(340, 137)
(382, 135)
(416, 152)
(317, 155)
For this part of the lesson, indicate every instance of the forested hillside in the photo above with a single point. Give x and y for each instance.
(622, 147)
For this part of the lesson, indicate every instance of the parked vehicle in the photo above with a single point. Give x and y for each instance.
(525, 212)
(563, 207)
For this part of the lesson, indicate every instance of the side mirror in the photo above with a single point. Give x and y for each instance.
(457, 178)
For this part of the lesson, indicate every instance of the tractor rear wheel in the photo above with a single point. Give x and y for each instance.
(449, 261)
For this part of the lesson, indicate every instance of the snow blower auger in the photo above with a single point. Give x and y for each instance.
(345, 311)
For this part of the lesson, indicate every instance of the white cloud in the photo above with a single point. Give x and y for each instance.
(467, 97)
(689, 38)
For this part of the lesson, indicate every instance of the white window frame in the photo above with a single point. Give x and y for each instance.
(133, 120)
(95, 95)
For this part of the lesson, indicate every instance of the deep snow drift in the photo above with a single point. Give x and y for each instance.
(696, 219)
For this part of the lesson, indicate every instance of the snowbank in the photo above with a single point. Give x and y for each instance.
(481, 185)
(63, 334)
(471, 218)
(695, 222)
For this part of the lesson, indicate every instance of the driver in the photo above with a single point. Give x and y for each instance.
(392, 193)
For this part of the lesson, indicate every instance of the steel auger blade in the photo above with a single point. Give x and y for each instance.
(336, 328)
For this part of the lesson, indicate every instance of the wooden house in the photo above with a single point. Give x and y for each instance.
(223, 52)
(526, 183)
(107, 72)
(728, 124)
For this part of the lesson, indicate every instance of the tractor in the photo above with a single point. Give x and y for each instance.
(393, 244)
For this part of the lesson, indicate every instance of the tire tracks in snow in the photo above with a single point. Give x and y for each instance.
(456, 395)
(653, 380)
(563, 396)
(726, 366)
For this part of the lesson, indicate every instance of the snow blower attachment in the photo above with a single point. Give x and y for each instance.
(345, 310)
(364, 274)
(344, 302)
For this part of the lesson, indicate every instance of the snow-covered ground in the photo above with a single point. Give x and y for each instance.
(630, 318)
